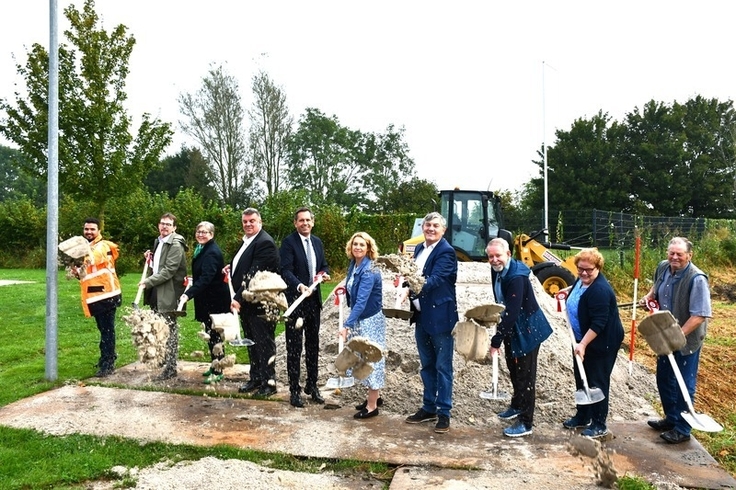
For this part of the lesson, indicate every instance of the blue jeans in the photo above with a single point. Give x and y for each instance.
(435, 355)
(670, 394)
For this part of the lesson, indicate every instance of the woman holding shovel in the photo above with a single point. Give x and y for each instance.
(210, 293)
(593, 315)
(365, 298)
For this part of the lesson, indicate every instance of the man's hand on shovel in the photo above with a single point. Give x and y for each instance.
(306, 293)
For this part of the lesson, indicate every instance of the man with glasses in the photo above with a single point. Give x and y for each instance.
(165, 284)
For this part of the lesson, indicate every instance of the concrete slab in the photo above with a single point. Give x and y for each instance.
(475, 456)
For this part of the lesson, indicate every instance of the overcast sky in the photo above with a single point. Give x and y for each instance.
(478, 85)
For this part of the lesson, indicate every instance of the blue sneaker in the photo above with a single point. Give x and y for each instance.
(576, 423)
(595, 431)
(509, 414)
(519, 429)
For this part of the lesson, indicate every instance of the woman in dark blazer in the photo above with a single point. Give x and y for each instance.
(210, 293)
(593, 313)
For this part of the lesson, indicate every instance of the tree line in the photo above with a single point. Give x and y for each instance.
(663, 159)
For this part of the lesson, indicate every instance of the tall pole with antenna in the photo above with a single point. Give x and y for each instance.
(544, 152)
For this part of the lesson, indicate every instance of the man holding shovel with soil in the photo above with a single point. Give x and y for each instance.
(101, 294)
(165, 285)
(681, 288)
(302, 259)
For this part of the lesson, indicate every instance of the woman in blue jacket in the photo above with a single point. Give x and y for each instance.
(593, 313)
(365, 298)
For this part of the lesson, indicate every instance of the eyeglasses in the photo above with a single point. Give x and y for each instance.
(161, 223)
(586, 270)
(202, 232)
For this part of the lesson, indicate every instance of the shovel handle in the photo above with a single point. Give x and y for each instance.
(681, 382)
(141, 288)
(494, 378)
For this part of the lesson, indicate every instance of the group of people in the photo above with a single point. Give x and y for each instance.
(679, 286)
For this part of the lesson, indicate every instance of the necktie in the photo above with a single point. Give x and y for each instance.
(310, 260)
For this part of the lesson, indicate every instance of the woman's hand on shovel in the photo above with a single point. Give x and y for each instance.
(580, 350)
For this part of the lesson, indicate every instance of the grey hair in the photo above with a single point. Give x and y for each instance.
(433, 216)
(500, 242)
(209, 227)
(250, 211)
(678, 240)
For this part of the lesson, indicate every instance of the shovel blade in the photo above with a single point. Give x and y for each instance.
(701, 421)
(335, 383)
(593, 395)
(241, 342)
(498, 395)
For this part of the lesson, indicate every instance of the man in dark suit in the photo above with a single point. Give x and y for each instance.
(302, 259)
(434, 311)
(258, 253)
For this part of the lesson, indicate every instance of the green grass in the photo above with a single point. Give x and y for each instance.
(30, 459)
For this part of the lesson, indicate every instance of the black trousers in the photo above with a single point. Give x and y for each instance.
(523, 372)
(598, 367)
(106, 326)
(263, 333)
(308, 336)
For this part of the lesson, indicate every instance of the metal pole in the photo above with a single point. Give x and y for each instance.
(52, 203)
(544, 152)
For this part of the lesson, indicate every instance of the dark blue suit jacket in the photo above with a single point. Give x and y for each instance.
(209, 291)
(261, 255)
(437, 298)
(294, 269)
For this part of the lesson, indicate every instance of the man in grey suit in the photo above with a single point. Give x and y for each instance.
(257, 253)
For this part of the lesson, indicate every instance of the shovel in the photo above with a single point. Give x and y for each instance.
(237, 341)
(586, 395)
(340, 382)
(397, 311)
(140, 288)
(494, 394)
(318, 279)
(664, 335)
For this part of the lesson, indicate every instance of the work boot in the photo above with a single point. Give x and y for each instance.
(315, 394)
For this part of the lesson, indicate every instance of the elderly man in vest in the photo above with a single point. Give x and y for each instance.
(682, 289)
(101, 294)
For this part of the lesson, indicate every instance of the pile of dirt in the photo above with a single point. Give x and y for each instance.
(629, 397)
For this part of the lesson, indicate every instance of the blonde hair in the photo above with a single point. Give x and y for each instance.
(591, 255)
(371, 252)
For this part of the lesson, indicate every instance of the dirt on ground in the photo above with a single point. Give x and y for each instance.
(633, 392)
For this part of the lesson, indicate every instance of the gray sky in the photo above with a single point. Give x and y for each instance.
(477, 85)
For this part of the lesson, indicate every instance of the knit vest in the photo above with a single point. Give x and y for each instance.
(681, 303)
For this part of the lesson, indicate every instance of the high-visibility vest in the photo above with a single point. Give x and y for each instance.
(100, 281)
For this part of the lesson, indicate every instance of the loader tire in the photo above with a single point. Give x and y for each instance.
(554, 279)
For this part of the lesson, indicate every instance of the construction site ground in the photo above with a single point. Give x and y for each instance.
(128, 405)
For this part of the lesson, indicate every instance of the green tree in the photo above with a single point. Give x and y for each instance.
(415, 196)
(214, 116)
(98, 157)
(185, 170)
(389, 166)
(271, 126)
(16, 182)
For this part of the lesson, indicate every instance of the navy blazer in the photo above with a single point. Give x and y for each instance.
(261, 255)
(294, 269)
(598, 310)
(437, 298)
(209, 290)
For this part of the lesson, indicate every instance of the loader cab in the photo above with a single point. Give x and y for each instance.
(473, 218)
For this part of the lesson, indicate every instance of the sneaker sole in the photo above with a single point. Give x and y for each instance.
(511, 417)
(573, 427)
(442, 431)
(431, 419)
(522, 434)
(597, 436)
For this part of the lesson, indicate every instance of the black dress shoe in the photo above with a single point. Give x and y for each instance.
(314, 393)
(379, 403)
(674, 437)
(250, 386)
(365, 414)
(266, 390)
(660, 425)
(296, 400)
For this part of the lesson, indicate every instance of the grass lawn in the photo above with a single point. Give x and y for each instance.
(29, 459)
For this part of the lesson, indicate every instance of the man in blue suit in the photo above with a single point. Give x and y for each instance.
(434, 313)
(257, 253)
(302, 259)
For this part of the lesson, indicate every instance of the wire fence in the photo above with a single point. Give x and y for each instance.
(615, 230)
